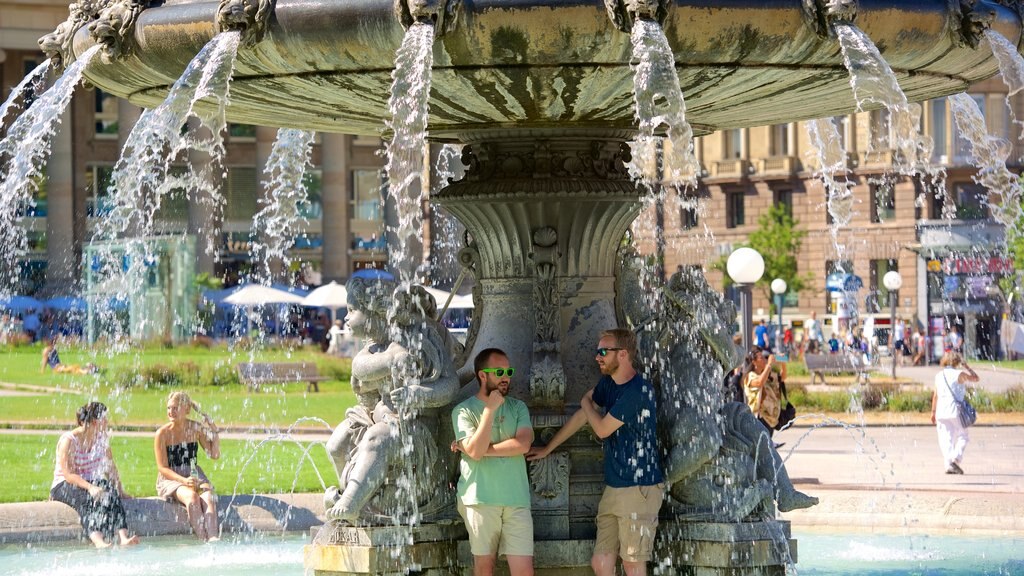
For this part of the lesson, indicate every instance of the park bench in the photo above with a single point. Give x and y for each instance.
(820, 364)
(257, 374)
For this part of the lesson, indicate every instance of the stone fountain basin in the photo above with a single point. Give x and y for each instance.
(327, 65)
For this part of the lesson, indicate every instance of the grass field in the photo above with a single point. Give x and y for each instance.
(275, 467)
(277, 406)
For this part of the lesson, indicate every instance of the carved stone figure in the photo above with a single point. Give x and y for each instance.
(720, 463)
(248, 16)
(402, 376)
(115, 26)
(57, 44)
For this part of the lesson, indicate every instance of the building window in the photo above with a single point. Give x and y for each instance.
(939, 133)
(878, 129)
(241, 131)
(961, 145)
(98, 179)
(878, 269)
(242, 193)
(779, 140)
(883, 201)
(733, 144)
(367, 194)
(105, 114)
(784, 198)
(312, 208)
(734, 209)
(688, 219)
(971, 202)
(835, 267)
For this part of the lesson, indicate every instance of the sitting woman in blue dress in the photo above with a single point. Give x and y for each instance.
(179, 477)
(52, 359)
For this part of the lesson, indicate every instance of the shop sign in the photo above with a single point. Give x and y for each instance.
(977, 265)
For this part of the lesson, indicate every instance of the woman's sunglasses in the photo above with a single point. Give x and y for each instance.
(499, 372)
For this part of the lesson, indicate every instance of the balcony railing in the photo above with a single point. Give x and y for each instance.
(735, 168)
(778, 166)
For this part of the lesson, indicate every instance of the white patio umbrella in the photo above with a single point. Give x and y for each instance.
(258, 295)
(331, 296)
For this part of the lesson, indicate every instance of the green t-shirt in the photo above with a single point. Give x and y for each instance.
(492, 480)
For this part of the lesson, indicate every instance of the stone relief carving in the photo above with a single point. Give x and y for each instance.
(821, 14)
(547, 380)
(969, 22)
(57, 44)
(443, 14)
(388, 450)
(624, 13)
(602, 159)
(720, 462)
(550, 476)
(469, 259)
(251, 17)
(114, 28)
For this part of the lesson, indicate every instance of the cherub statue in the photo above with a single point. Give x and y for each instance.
(401, 376)
(720, 463)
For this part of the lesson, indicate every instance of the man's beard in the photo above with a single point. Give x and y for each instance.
(493, 387)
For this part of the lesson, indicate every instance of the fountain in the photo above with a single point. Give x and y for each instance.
(542, 97)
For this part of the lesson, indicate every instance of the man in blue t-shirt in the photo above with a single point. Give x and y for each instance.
(621, 409)
(761, 336)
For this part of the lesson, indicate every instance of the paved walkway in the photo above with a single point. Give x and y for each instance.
(992, 378)
(893, 478)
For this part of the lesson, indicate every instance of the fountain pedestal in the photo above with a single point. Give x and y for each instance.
(382, 550)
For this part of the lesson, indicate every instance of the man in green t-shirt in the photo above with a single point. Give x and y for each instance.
(493, 433)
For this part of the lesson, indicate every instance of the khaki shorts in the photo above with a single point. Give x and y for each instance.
(501, 530)
(627, 519)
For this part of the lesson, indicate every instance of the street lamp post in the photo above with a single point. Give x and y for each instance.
(745, 266)
(779, 288)
(892, 282)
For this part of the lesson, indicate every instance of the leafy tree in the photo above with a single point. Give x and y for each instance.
(779, 242)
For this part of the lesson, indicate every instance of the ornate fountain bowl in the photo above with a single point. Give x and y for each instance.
(327, 65)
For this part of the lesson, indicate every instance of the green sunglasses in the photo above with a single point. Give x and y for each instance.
(499, 372)
(605, 351)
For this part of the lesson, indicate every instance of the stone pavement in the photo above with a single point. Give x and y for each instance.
(883, 478)
(992, 378)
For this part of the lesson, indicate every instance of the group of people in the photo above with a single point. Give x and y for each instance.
(85, 476)
(494, 437)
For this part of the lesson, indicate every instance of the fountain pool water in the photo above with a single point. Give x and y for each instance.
(823, 554)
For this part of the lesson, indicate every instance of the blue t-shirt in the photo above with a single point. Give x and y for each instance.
(761, 336)
(631, 455)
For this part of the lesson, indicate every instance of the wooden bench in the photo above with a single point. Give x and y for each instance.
(820, 364)
(256, 374)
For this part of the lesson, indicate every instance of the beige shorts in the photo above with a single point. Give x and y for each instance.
(627, 519)
(505, 530)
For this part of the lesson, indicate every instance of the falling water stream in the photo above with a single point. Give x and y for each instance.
(26, 146)
(659, 101)
(143, 175)
(31, 84)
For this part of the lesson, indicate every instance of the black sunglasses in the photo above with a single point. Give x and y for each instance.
(499, 372)
(605, 351)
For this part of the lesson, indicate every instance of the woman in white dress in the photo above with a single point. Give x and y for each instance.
(950, 388)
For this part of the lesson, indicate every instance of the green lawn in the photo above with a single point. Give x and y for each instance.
(276, 467)
(278, 406)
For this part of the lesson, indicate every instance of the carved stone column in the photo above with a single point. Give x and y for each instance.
(546, 210)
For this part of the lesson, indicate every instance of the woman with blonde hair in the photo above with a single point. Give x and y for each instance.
(950, 389)
(179, 477)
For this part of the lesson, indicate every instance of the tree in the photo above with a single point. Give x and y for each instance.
(779, 242)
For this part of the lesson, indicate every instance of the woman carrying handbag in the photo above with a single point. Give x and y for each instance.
(949, 393)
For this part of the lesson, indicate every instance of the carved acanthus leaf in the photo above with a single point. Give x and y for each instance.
(550, 476)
